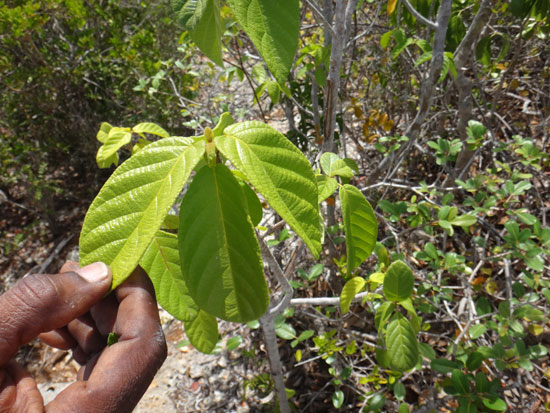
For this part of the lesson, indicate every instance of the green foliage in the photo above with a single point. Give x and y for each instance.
(280, 172)
(130, 208)
(161, 262)
(212, 267)
(220, 256)
(202, 19)
(360, 225)
(273, 28)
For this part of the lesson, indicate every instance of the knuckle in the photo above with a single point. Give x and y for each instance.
(36, 292)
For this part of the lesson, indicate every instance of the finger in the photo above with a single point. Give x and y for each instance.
(59, 338)
(69, 266)
(18, 391)
(104, 314)
(40, 303)
(85, 333)
(124, 370)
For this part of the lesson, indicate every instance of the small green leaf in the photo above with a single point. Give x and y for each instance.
(351, 288)
(401, 344)
(225, 120)
(285, 331)
(427, 351)
(161, 262)
(152, 128)
(404, 408)
(444, 366)
(202, 332)
(399, 390)
(280, 172)
(360, 226)
(130, 208)
(103, 132)
(116, 139)
(474, 361)
(325, 187)
(332, 165)
(477, 331)
(220, 255)
(338, 399)
(464, 220)
(495, 404)
(112, 338)
(399, 282)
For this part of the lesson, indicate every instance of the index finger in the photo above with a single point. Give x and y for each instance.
(124, 370)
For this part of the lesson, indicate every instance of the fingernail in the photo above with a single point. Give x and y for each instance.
(95, 272)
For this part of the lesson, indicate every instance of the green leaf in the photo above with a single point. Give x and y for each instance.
(399, 282)
(332, 165)
(383, 313)
(404, 408)
(202, 332)
(464, 220)
(202, 19)
(474, 361)
(116, 139)
(103, 132)
(273, 27)
(254, 205)
(161, 262)
(360, 226)
(225, 120)
(338, 399)
(495, 404)
(477, 331)
(280, 172)
(399, 390)
(401, 344)
(152, 128)
(444, 366)
(460, 382)
(351, 288)
(285, 331)
(325, 187)
(131, 206)
(220, 255)
(385, 39)
(427, 351)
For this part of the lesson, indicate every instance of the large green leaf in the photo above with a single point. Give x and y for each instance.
(273, 27)
(221, 260)
(360, 226)
(401, 343)
(202, 332)
(161, 261)
(398, 282)
(280, 172)
(202, 19)
(131, 206)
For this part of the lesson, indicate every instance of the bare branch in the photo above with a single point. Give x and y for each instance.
(418, 16)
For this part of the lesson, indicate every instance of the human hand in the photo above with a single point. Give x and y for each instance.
(70, 311)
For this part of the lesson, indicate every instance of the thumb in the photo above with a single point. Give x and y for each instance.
(44, 302)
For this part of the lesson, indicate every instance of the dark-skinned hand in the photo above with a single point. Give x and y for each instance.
(69, 310)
